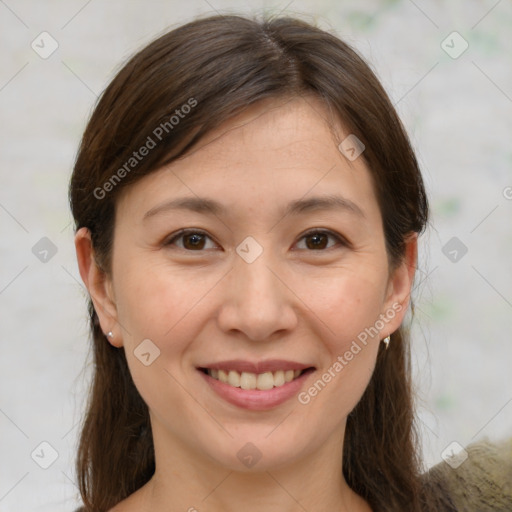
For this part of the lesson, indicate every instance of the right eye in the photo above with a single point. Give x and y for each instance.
(190, 240)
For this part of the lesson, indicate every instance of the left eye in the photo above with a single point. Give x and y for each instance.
(318, 240)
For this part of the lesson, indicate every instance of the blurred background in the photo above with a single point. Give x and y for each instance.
(447, 66)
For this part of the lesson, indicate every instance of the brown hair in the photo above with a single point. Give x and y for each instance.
(221, 65)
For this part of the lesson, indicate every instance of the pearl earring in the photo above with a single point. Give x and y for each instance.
(110, 334)
(386, 341)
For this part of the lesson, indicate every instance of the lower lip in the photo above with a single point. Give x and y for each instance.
(256, 399)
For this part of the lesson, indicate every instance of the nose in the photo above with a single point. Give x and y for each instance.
(257, 302)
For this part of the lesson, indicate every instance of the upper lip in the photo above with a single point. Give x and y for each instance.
(270, 365)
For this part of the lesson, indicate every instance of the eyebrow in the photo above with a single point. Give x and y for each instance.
(299, 206)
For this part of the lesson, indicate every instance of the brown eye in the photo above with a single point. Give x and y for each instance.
(190, 240)
(194, 241)
(319, 240)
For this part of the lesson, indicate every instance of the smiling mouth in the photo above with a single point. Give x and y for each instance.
(261, 381)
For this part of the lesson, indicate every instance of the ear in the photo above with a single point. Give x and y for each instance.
(99, 285)
(400, 286)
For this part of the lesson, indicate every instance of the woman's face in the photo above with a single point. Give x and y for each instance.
(260, 253)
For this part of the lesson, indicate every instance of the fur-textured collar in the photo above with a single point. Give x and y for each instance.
(481, 483)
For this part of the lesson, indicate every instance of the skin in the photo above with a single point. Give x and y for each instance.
(207, 305)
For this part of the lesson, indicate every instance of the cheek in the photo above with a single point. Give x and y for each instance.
(153, 302)
(348, 308)
(168, 308)
(349, 356)
(347, 304)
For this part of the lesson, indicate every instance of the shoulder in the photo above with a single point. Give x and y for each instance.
(479, 479)
(117, 508)
(120, 507)
(135, 502)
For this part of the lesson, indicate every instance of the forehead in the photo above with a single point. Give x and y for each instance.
(290, 127)
(275, 151)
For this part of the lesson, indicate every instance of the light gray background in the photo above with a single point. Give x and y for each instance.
(458, 112)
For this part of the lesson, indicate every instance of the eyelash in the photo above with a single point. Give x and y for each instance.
(180, 234)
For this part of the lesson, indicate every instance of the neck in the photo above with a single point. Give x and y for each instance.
(185, 481)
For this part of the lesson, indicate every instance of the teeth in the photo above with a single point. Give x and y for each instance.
(248, 380)
(262, 381)
(279, 378)
(234, 379)
(265, 381)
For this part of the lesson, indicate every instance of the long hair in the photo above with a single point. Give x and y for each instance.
(217, 66)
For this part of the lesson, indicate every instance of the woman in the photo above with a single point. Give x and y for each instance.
(247, 206)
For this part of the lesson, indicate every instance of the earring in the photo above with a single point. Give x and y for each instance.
(386, 341)
(110, 334)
